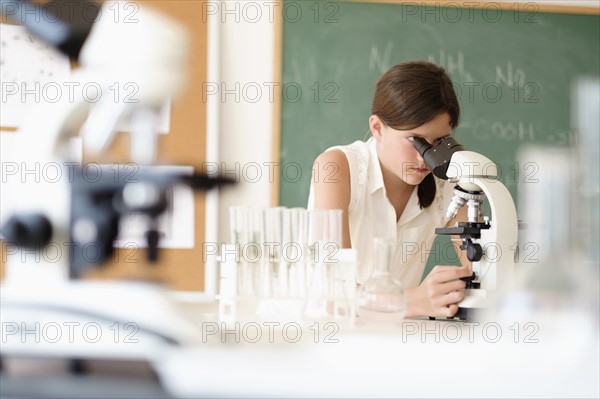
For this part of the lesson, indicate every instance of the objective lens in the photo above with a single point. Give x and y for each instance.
(455, 205)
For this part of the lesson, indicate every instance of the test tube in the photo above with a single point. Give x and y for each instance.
(238, 225)
(316, 223)
(287, 249)
(334, 227)
(273, 242)
(253, 252)
(299, 243)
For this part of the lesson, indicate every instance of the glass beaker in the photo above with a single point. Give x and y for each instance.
(381, 298)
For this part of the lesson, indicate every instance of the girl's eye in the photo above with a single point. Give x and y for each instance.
(435, 142)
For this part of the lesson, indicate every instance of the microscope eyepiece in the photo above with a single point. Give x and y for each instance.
(437, 157)
(421, 145)
(54, 23)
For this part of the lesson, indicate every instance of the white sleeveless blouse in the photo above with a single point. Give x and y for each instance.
(371, 215)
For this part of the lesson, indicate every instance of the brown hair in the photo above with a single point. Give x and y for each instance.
(411, 94)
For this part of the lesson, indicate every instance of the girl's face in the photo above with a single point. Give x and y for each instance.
(398, 156)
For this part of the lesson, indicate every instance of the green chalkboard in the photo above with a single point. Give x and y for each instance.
(512, 69)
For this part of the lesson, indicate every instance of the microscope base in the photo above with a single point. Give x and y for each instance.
(463, 314)
(82, 319)
(466, 314)
(475, 301)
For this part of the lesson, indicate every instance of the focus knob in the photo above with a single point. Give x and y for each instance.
(28, 231)
(474, 252)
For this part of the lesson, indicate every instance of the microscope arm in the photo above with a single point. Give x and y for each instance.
(474, 172)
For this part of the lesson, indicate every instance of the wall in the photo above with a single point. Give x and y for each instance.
(246, 126)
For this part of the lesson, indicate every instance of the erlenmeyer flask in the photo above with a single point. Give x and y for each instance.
(331, 291)
(381, 298)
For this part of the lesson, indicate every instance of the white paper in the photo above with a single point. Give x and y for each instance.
(175, 226)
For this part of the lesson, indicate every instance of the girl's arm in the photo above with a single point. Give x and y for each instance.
(440, 292)
(332, 190)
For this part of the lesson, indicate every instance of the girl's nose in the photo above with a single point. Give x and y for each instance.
(419, 158)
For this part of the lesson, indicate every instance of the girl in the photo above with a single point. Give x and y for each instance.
(385, 190)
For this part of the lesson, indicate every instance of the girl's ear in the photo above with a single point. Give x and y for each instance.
(376, 125)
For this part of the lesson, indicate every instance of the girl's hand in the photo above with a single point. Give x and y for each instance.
(439, 293)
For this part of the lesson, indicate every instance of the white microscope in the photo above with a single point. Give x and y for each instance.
(491, 243)
(75, 214)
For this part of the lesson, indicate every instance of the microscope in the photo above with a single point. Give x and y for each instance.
(75, 214)
(490, 242)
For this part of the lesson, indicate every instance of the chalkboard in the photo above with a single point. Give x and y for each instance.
(512, 68)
